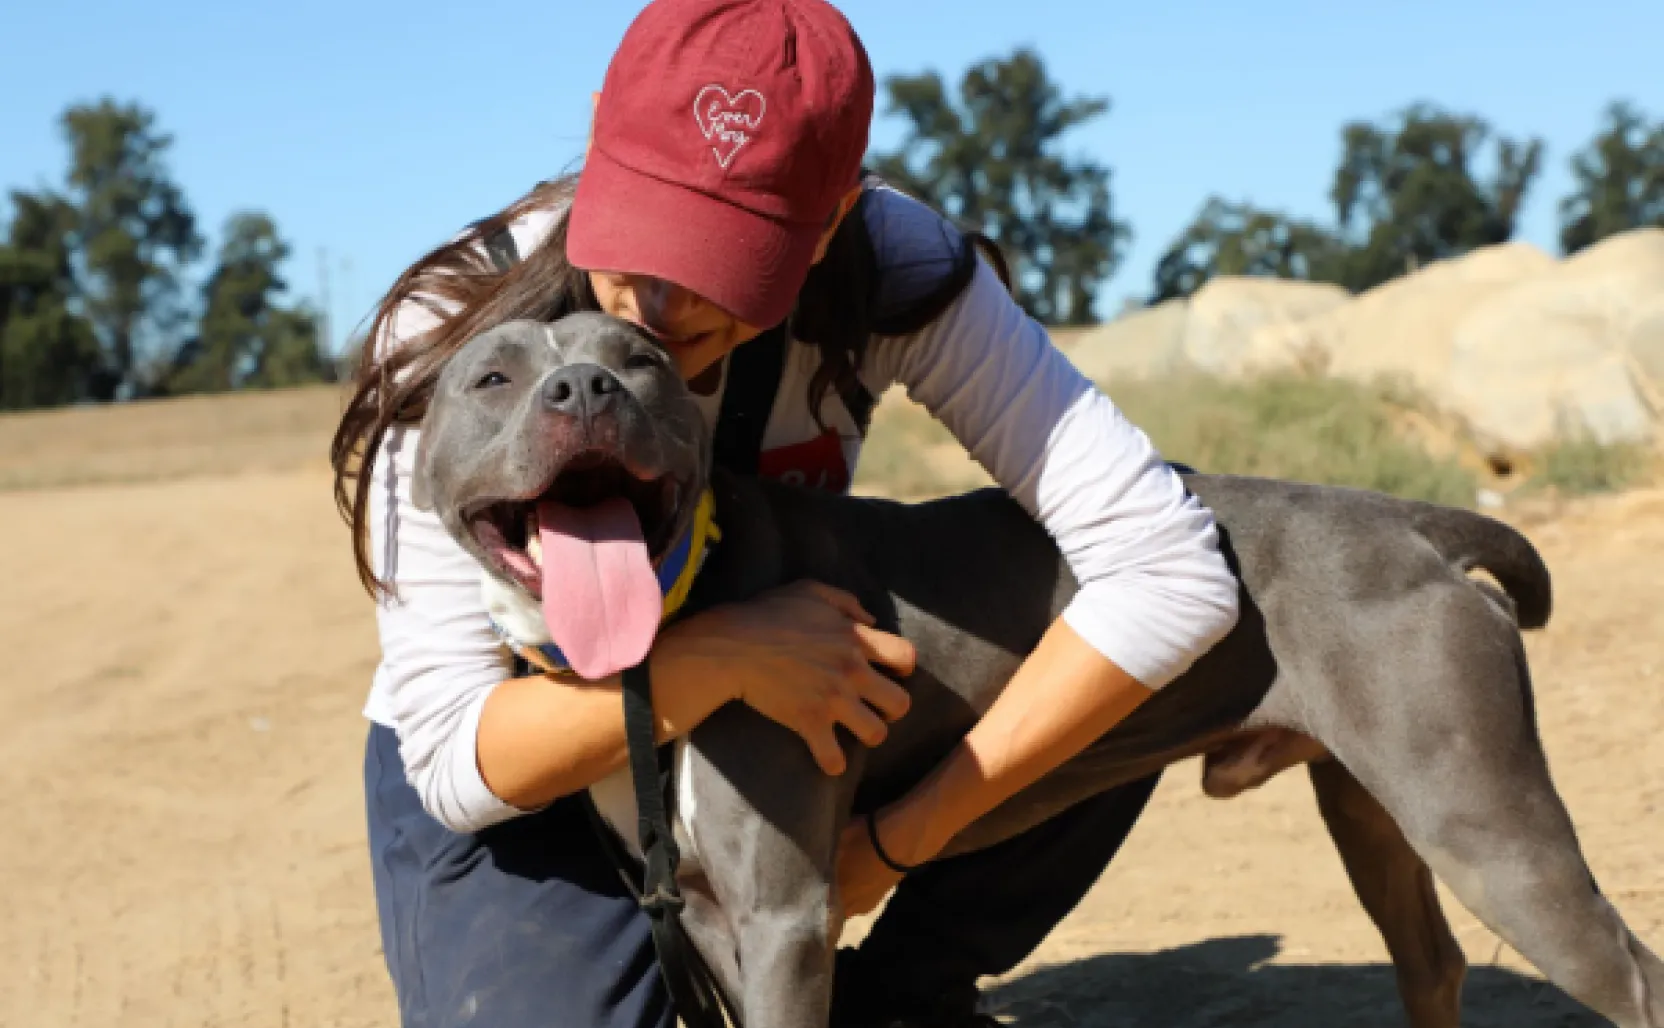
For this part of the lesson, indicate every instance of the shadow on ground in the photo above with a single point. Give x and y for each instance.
(1229, 982)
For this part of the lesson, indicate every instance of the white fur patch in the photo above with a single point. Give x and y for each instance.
(686, 802)
(615, 799)
(513, 611)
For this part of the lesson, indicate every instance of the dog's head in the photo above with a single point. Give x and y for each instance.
(567, 459)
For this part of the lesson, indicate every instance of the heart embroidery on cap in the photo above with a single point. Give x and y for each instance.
(728, 121)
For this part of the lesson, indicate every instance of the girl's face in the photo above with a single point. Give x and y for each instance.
(696, 332)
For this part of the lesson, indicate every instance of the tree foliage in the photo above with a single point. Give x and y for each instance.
(1405, 193)
(134, 231)
(93, 304)
(990, 158)
(1240, 239)
(246, 338)
(1620, 180)
(95, 272)
(48, 354)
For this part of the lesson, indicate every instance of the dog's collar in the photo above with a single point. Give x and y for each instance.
(676, 572)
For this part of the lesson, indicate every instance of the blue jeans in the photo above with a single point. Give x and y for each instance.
(528, 924)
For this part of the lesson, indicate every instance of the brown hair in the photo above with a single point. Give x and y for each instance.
(460, 285)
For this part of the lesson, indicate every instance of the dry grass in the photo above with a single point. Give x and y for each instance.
(168, 439)
(1309, 429)
(1579, 465)
(912, 456)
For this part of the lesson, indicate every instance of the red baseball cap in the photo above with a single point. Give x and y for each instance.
(725, 134)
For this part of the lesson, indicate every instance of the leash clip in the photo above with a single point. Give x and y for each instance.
(661, 902)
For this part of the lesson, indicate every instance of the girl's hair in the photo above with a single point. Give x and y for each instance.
(467, 293)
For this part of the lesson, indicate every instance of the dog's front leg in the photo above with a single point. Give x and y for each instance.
(764, 819)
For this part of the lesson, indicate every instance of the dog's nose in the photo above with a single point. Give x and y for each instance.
(581, 390)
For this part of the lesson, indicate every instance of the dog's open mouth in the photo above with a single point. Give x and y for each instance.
(586, 548)
(510, 531)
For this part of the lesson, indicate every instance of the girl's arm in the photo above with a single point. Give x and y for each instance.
(1155, 591)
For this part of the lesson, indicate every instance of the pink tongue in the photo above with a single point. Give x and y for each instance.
(601, 599)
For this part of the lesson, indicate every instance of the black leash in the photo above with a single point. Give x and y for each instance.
(753, 382)
(694, 994)
(693, 989)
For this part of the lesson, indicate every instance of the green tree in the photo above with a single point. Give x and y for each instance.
(1240, 239)
(1620, 180)
(990, 159)
(134, 234)
(1405, 193)
(49, 355)
(247, 339)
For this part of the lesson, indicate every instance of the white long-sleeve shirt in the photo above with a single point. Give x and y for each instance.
(1155, 592)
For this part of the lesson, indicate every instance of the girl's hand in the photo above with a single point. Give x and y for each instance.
(801, 655)
(864, 879)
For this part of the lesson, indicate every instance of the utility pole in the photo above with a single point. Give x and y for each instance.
(349, 304)
(326, 338)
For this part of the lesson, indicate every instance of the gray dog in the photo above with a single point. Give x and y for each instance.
(1364, 650)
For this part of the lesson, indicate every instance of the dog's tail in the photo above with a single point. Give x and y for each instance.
(1469, 540)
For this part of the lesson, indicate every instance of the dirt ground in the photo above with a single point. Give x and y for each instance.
(184, 843)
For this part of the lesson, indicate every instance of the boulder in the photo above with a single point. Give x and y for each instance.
(1522, 347)
(1560, 352)
(1140, 344)
(1646, 342)
(1403, 328)
(1227, 312)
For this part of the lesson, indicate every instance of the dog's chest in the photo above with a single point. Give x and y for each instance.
(615, 800)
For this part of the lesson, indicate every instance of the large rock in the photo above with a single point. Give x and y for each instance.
(1636, 260)
(1141, 344)
(1403, 328)
(1226, 313)
(1646, 342)
(1556, 354)
(1637, 253)
(1522, 347)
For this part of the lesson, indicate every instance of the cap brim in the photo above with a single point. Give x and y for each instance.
(749, 265)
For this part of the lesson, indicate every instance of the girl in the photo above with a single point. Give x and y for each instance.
(722, 208)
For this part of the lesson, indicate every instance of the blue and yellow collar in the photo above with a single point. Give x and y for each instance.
(676, 572)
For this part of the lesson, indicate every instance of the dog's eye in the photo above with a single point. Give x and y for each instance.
(491, 379)
(641, 362)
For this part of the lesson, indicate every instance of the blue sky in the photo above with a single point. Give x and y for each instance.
(371, 130)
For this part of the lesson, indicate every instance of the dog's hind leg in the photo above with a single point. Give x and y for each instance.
(1453, 755)
(1396, 888)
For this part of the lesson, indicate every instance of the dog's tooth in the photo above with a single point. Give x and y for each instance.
(534, 545)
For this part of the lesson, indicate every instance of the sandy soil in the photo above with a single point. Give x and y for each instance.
(185, 845)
